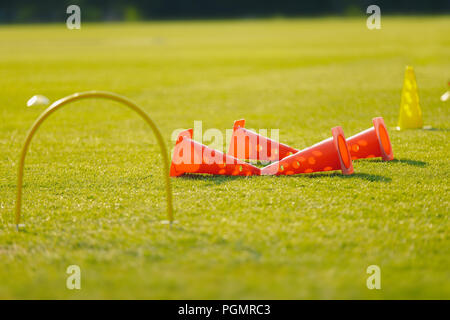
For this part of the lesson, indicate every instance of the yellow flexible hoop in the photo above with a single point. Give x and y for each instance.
(93, 94)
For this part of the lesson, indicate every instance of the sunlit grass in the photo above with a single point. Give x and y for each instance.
(94, 195)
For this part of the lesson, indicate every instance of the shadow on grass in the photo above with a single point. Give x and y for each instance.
(214, 179)
(30, 231)
(410, 162)
(436, 129)
(356, 175)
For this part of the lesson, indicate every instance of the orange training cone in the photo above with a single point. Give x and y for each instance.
(190, 156)
(330, 154)
(371, 143)
(249, 145)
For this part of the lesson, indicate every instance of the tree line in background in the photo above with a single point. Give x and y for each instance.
(23, 11)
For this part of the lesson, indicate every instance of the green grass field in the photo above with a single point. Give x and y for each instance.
(94, 194)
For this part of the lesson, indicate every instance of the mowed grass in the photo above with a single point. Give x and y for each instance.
(94, 194)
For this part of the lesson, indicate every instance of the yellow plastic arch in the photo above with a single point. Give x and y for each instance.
(83, 95)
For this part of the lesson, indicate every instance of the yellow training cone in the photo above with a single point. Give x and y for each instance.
(410, 113)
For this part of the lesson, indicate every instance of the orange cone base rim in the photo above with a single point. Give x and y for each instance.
(383, 139)
(343, 151)
(371, 143)
(190, 156)
(329, 155)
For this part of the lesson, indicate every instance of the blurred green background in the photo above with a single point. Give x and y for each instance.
(24, 11)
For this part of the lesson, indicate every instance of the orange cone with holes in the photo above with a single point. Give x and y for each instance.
(190, 156)
(371, 143)
(248, 145)
(328, 155)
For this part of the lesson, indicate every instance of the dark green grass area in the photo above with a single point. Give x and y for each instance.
(94, 193)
